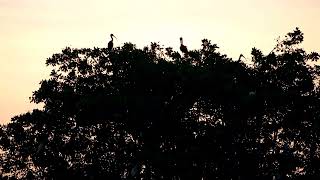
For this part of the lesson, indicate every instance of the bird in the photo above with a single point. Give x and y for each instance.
(252, 93)
(241, 55)
(183, 48)
(110, 44)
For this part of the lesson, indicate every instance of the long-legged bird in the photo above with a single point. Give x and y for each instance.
(241, 55)
(110, 44)
(183, 48)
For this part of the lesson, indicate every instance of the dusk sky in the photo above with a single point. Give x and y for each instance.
(32, 30)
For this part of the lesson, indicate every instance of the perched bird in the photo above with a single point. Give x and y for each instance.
(241, 55)
(183, 48)
(252, 93)
(110, 44)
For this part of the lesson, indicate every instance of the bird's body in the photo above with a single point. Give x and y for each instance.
(110, 44)
(183, 48)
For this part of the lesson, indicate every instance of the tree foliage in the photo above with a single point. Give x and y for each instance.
(152, 113)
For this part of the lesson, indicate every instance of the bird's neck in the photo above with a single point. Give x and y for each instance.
(181, 41)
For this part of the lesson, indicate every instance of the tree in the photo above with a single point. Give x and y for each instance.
(153, 114)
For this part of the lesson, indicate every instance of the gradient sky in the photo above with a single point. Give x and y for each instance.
(32, 30)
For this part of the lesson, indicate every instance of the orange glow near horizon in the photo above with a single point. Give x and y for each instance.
(32, 30)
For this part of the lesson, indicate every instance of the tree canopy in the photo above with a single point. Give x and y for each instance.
(153, 113)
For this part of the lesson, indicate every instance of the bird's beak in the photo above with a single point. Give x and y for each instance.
(115, 37)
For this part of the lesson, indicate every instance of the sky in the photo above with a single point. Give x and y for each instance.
(32, 30)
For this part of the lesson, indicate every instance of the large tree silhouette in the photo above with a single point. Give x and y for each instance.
(150, 113)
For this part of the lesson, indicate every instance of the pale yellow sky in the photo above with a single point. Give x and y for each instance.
(32, 30)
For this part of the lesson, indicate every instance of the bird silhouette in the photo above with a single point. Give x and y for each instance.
(183, 48)
(110, 44)
(241, 55)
